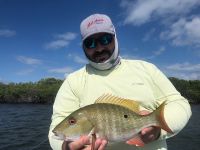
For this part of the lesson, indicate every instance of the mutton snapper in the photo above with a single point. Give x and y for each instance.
(112, 118)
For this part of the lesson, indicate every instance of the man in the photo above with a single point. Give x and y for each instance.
(131, 79)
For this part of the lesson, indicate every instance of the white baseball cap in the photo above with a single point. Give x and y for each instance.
(96, 23)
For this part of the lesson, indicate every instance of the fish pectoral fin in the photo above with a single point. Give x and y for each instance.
(137, 141)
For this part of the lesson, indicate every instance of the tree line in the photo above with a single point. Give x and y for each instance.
(190, 89)
(45, 90)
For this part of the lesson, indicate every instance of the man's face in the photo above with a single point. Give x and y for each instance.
(99, 47)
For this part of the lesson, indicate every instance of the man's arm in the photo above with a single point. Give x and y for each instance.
(177, 110)
(65, 103)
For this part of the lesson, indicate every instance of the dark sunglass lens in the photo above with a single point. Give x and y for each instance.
(106, 39)
(89, 43)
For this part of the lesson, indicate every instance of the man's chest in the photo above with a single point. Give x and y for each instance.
(131, 87)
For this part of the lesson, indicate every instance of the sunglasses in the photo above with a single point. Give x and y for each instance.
(104, 40)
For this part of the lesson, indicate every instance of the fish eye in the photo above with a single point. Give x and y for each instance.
(125, 116)
(72, 121)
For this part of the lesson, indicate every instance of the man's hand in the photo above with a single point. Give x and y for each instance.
(84, 144)
(146, 135)
(150, 134)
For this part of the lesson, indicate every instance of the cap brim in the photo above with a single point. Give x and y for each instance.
(96, 32)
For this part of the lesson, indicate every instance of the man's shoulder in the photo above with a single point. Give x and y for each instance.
(77, 73)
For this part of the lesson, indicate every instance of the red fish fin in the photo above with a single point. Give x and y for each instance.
(161, 118)
(93, 141)
(137, 141)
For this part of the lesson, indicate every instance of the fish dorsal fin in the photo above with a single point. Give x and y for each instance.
(131, 104)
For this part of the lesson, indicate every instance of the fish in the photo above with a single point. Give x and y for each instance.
(112, 118)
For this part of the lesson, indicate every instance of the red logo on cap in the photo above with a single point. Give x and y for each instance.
(96, 21)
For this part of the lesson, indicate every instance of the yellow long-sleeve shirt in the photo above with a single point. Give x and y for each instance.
(131, 79)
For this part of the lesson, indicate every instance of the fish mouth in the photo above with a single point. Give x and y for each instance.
(60, 136)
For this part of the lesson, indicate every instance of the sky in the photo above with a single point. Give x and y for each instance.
(41, 38)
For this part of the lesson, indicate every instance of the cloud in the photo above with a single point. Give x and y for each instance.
(2, 80)
(160, 51)
(7, 33)
(66, 36)
(80, 60)
(185, 70)
(132, 56)
(61, 40)
(66, 71)
(25, 72)
(197, 53)
(61, 70)
(28, 60)
(146, 58)
(157, 52)
(57, 44)
(140, 12)
(185, 75)
(149, 35)
(77, 59)
(184, 32)
(185, 67)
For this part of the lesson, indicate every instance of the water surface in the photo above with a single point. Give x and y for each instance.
(25, 127)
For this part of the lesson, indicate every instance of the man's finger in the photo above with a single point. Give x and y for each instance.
(65, 145)
(144, 112)
(80, 143)
(103, 145)
(146, 130)
(97, 144)
(150, 134)
(100, 144)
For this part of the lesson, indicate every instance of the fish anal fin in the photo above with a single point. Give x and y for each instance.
(137, 141)
(131, 104)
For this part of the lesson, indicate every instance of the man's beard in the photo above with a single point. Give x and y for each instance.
(100, 57)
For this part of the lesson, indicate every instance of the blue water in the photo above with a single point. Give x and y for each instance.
(25, 127)
(189, 137)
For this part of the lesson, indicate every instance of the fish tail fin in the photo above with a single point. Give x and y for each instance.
(159, 112)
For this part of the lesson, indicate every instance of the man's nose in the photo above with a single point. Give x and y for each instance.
(99, 47)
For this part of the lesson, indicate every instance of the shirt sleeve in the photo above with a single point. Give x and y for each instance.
(65, 103)
(177, 110)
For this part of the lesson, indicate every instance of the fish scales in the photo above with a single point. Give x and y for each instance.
(113, 124)
(120, 124)
(110, 121)
(115, 128)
